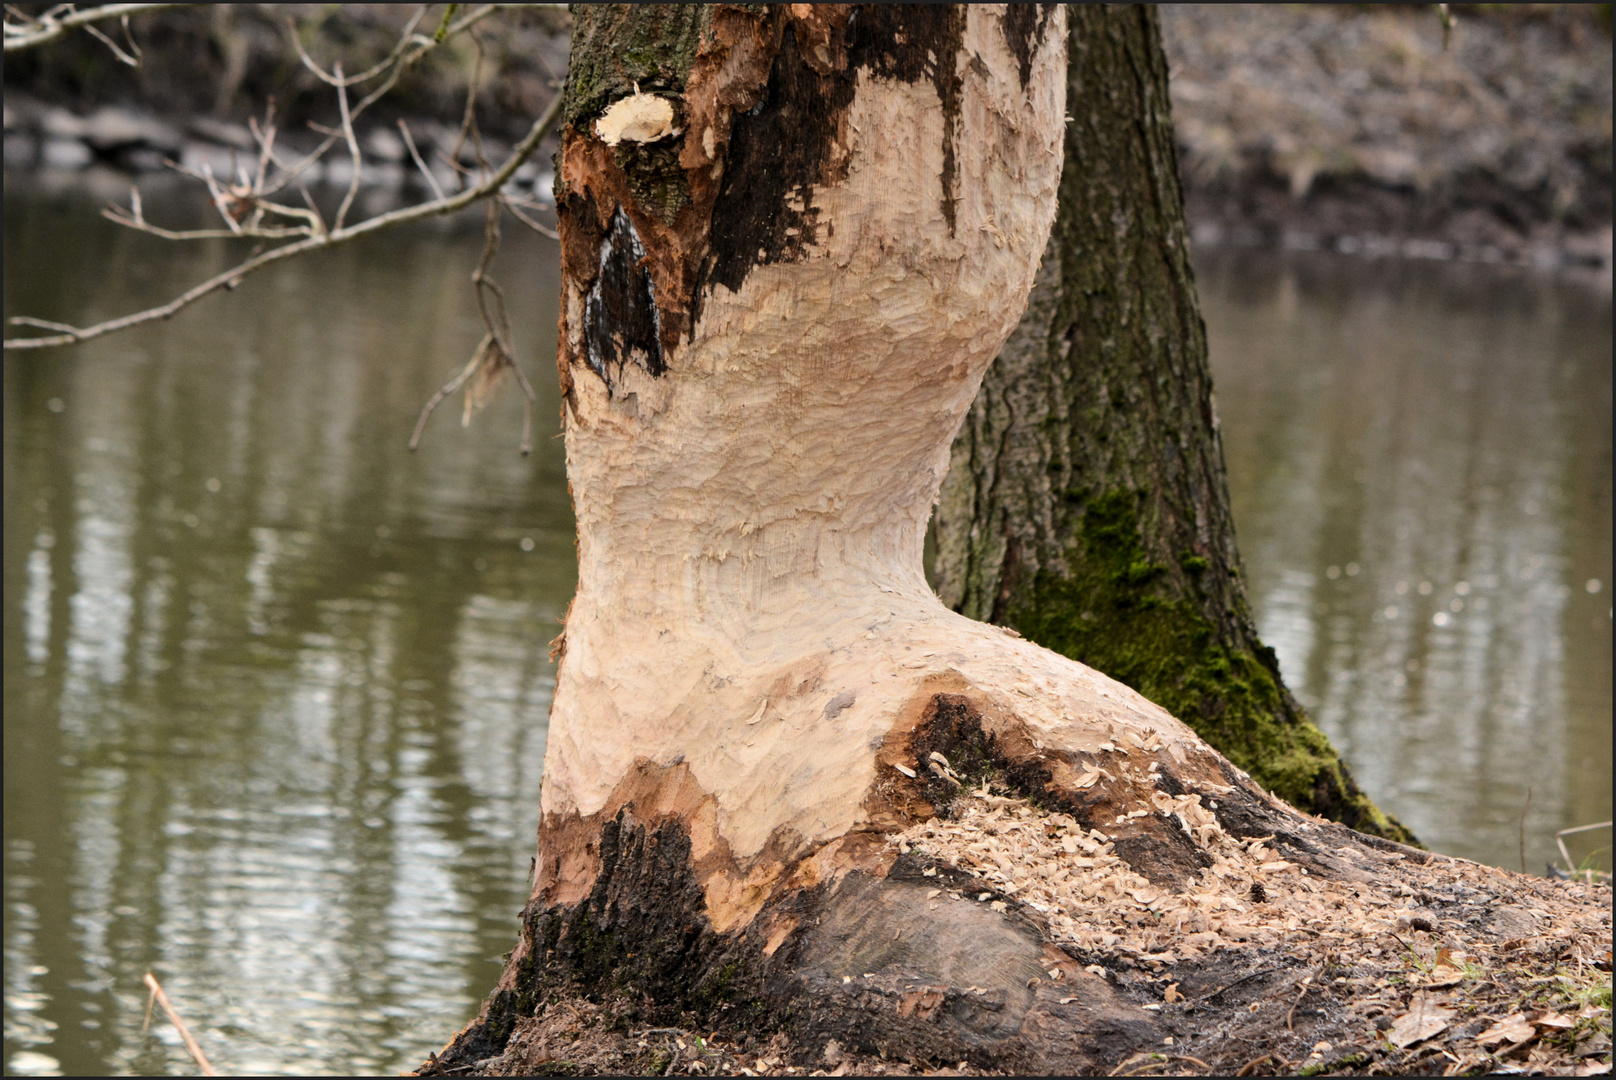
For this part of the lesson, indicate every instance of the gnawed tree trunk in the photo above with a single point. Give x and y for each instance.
(793, 238)
(1087, 505)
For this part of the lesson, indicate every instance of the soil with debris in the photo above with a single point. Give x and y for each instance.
(1259, 966)
(1354, 128)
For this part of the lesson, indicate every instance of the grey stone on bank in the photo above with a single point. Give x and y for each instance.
(57, 153)
(384, 145)
(111, 130)
(202, 158)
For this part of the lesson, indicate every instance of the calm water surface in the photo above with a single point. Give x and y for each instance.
(275, 688)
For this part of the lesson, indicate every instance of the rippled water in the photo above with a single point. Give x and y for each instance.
(275, 688)
(1420, 460)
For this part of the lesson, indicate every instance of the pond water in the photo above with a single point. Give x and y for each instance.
(275, 687)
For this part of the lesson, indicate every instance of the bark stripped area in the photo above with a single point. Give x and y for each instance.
(1087, 505)
(761, 103)
(755, 672)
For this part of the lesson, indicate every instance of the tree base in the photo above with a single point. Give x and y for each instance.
(978, 927)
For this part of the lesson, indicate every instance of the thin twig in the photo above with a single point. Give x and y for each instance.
(1559, 840)
(179, 1025)
(122, 56)
(446, 389)
(219, 199)
(1307, 984)
(431, 180)
(1520, 828)
(49, 27)
(336, 237)
(514, 206)
(353, 150)
(405, 39)
(468, 122)
(1250, 1066)
(116, 214)
(1136, 1064)
(494, 356)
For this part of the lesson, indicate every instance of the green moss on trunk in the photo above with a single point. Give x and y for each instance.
(618, 48)
(1087, 504)
(1118, 613)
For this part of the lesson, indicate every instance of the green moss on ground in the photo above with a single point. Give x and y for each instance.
(1119, 613)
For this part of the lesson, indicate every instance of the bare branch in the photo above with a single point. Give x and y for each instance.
(431, 180)
(448, 388)
(494, 358)
(122, 56)
(43, 324)
(336, 78)
(116, 214)
(515, 206)
(468, 122)
(228, 279)
(62, 20)
(353, 149)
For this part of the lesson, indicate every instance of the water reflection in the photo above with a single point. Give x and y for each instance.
(275, 689)
(1420, 461)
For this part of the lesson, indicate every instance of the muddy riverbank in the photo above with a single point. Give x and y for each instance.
(1354, 128)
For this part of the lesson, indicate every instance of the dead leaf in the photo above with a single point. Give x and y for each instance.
(1512, 1028)
(1425, 1017)
(490, 365)
(1558, 1021)
(1442, 976)
(1172, 994)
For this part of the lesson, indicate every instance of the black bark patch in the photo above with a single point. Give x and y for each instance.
(655, 179)
(1024, 26)
(784, 147)
(777, 155)
(621, 322)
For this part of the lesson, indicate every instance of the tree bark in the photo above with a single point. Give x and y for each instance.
(1087, 505)
(793, 238)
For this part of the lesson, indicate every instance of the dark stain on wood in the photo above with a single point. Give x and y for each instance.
(779, 152)
(1024, 26)
(621, 323)
(794, 139)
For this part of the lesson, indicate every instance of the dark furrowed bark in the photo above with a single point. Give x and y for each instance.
(1087, 505)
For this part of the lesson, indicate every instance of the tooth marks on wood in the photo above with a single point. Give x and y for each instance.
(622, 324)
(910, 42)
(790, 142)
(1024, 26)
(795, 138)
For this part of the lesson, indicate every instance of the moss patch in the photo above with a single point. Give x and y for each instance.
(1119, 613)
(617, 48)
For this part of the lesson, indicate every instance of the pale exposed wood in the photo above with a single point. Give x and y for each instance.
(751, 599)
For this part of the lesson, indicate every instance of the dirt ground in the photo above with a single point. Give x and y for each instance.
(1261, 966)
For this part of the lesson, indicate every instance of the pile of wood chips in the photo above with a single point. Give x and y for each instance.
(1256, 966)
(1494, 971)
